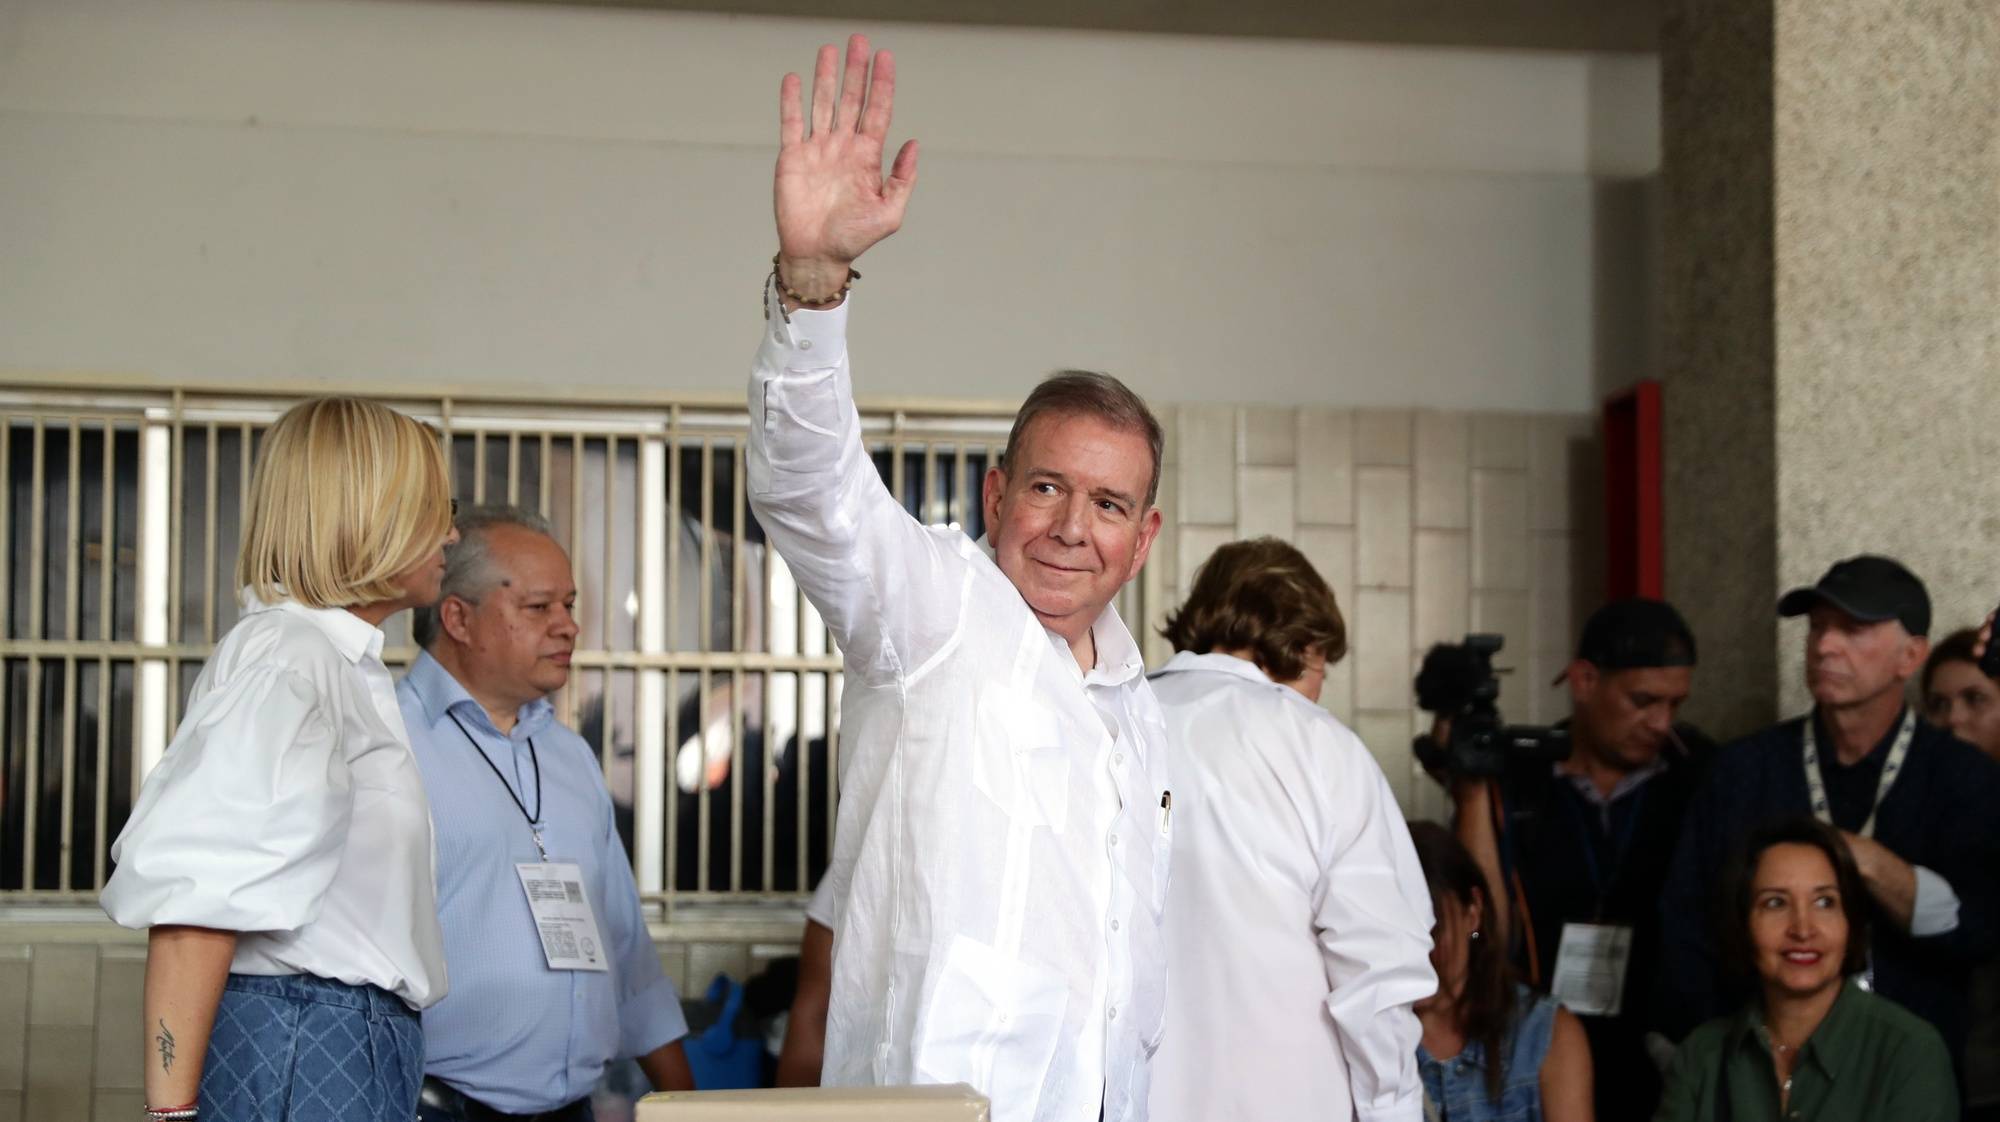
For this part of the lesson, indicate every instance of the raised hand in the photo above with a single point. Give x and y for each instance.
(831, 198)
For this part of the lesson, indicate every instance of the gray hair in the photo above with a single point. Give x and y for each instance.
(470, 568)
(1096, 395)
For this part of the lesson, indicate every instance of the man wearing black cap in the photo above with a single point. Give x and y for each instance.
(1920, 810)
(1589, 838)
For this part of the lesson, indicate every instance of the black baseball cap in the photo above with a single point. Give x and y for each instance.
(1871, 589)
(1635, 634)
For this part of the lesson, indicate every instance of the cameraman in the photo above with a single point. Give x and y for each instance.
(1580, 847)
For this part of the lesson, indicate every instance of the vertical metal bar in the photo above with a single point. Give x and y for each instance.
(671, 881)
(704, 640)
(650, 752)
(37, 580)
(802, 767)
(610, 537)
(478, 466)
(701, 788)
(6, 531)
(672, 529)
(208, 538)
(769, 774)
(739, 611)
(107, 543)
(961, 500)
(177, 491)
(737, 780)
(933, 509)
(896, 459)
(445, 433)
(66, 840)
(100, 846)
(72, 549)
(149, 672)
(570, 697)
(514, 469)
(544, 475)
(38, 533)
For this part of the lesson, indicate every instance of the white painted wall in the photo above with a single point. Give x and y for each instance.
(355, 192)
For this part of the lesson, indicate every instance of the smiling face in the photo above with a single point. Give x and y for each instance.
(1798, 921)
(1068, 517)
(515, 643)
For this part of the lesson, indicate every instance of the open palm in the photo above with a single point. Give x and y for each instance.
(831, 197)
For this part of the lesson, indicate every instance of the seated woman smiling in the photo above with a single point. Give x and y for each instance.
(1812, 1044)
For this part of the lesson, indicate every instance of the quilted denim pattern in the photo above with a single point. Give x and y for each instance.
(303, 1049)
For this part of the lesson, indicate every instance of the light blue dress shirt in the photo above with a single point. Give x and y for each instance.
(513, 1033)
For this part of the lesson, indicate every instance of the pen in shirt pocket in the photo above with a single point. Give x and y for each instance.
(1166, 811)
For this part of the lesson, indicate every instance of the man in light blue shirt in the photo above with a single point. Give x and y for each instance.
(553, 973)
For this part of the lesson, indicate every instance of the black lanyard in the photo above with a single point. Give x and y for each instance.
(1620, 839)
(535, 819)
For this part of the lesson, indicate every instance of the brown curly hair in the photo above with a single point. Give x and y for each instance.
(1262, 596)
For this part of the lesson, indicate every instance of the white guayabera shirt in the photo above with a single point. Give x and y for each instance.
(289, 808)
(1001, 842)
(1298, 930)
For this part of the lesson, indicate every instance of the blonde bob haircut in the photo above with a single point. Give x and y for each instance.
(348, 495)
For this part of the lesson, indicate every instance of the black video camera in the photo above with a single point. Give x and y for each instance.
(1459, 684)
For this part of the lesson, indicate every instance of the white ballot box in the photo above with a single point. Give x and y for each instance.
(954, 1102)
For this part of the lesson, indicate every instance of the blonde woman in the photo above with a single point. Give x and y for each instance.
(280, 854)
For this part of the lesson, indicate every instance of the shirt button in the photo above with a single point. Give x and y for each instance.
(1118, 758)
(1114, 839)
(805, 344)
(1114, 925)
(1111, 1014)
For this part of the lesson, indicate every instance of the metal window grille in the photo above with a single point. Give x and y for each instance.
(706, 682)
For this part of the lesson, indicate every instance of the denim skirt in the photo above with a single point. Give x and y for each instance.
(297, 1048)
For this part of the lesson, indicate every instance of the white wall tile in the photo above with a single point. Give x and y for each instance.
(1264, 500)
(1382, 437)
(1326, 466)
(121, 986)
(1331, 551)
(1500, 440)
(64, 990)
(1443, 587)
(1500, 529)
(1561, 450)
(1196, 543)
(1207, 464)
(1387, 735)
(1169, 417)
(1337, 697)
(1554, 621)
(1380, 637)
(1443, 468)
(1505, 614)
(1382, 526)
(1266, 436)
(15, 973)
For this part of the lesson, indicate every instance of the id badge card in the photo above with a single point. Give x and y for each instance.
(1590, 968)
(570, 938)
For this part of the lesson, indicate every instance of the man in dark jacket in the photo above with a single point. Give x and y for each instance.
(1920, 810)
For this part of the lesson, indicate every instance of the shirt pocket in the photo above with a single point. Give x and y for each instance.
(1019, 761)
(993, 1022)
(1163, 853)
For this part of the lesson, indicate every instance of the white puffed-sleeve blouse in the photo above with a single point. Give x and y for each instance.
(290, 809)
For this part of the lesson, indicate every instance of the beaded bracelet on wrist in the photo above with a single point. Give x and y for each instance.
(804, 301)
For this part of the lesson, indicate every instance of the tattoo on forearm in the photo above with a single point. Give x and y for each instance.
(165, 1043)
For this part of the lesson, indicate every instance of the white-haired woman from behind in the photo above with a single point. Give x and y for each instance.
(280, 854)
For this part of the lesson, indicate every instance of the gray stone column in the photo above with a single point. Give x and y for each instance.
(1831, 316)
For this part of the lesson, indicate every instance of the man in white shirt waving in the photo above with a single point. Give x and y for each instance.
(1003, 834)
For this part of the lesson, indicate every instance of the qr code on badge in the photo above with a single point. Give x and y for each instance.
(574, 891)
(558, 941)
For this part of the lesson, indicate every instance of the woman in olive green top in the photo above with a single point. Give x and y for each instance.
(1812, 1047)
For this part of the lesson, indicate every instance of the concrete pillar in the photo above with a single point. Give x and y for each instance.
(1830, 316)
